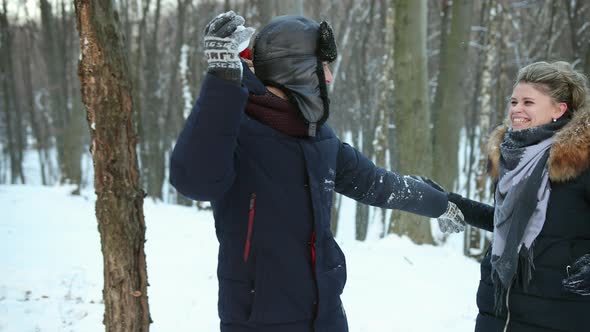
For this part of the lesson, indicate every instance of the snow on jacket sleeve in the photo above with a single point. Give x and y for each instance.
(358, 178)
(202, 162)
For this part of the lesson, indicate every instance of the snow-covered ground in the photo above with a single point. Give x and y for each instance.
(51, 271)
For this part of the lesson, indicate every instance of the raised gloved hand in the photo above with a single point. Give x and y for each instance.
(452, 221)
(578, 280)
(225, 38)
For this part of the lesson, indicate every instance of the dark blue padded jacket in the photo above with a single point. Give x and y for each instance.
(269, 192)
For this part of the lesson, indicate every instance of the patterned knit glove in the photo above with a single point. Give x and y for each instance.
(225, 38)
(578, 280)
(452, 221)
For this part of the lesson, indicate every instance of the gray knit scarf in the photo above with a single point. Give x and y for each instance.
(522, 195)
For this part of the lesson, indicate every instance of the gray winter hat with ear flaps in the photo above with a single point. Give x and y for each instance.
(288, 54)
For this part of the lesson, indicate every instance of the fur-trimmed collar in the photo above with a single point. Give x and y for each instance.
(569, 156)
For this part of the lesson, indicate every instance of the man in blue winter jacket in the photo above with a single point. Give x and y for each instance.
(257, 147)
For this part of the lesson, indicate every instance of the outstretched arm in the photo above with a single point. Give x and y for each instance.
(358, 178)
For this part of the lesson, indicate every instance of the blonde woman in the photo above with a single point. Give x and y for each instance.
(536, 274)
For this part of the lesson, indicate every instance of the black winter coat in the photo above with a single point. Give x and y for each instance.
(269, 192)
(545, 305)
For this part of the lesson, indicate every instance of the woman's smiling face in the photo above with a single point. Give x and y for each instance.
(530, 107)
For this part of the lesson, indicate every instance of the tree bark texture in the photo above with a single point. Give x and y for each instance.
(335, 215)
(412, 114)
(10, 105)
(448, 118)
(107, 95)
(486, 110)
(152, 118)
(174, 107)
(385, 107)
(55, 34)
(265, 11)
(475, 240)
(34, 116)
(291, 7)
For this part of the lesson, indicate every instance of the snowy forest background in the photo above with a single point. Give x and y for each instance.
(417, 87)
(471, 50)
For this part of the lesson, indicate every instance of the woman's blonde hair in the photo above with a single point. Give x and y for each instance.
(560, 81)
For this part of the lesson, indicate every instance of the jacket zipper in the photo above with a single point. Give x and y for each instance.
(508, 307)
(251, 213)
(312, 247)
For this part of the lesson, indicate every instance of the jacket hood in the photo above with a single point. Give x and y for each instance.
(569, 156)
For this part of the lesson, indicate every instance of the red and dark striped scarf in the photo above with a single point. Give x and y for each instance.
(277, 113)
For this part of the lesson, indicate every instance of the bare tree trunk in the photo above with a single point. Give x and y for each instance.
(125, 21)
(382, 131)
(64, 125)
(13, 115)
(106, 93)
(473, 114)
(74, 138)
(381, 140)
(412, 114)
(314, 9)
(152, 116)
(137, 66)
(175, 105)
(574, 25)
(362, 210)
(174, 108)
(39, 123)
(56, 97)
(291, 7)
(486, 112)
(503, 82)
(361, 221)
(343, 30)
(551, 28)
(8, 116)
(265, 11)
(40, 139)
(366, 132)
(448, 116)
(335, 213)
(475, 240)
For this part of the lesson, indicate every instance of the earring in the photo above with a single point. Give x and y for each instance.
(554, 120)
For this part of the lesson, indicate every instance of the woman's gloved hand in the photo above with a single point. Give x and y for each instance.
(429, 182)
(452, 221)
(578, 280)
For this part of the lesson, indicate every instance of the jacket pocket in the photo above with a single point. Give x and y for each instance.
(283, 294)
(331, 284)
(251, 215)
(236, 300)
(331, 278)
